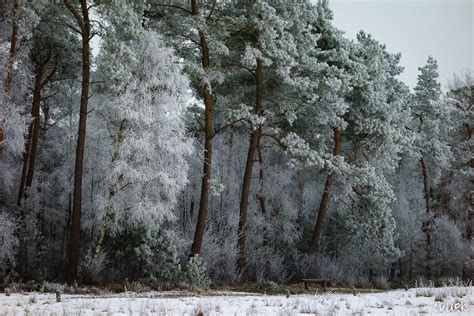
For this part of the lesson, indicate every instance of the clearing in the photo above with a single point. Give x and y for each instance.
(416, 301)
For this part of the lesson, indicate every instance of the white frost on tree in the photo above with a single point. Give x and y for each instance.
(8, 241)
(142, 162)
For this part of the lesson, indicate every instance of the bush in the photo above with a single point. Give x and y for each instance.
(8, 242)
(194, 273)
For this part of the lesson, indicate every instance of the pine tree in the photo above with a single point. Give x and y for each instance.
(84, 28)
(428, 116)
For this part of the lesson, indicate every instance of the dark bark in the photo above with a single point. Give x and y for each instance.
(261, 192)
(26, 174)
(261, 181)
(427, 224)
(254, 141)
(207, 163)
(36, 123)
(13, 47)
(26, 156)
(10, 62)
(301, 189)
(314, 245)
(83, 21)
(31, 141)
(426, 185)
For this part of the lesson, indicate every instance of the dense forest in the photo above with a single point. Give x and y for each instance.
(224, 141)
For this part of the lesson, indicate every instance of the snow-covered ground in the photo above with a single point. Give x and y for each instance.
(427, 301)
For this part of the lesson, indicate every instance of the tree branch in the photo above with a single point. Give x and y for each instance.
(277, 140)
(76, 15)
(176, 7)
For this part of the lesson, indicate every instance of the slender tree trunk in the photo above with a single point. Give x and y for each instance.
(261, 181)
(10, 62)
(35, 113)
(401, 269)
(112, 192)
(301, 188)
(23, 248)
(13, 47)
(426, 185)
(410, 265)
(207, 164)
(427, 224)
(254, 140)
(26, 154)
(31, 141)
(262, 202)
(313, 248)
(75, 233)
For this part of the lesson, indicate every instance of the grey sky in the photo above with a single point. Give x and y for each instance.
(416, 28)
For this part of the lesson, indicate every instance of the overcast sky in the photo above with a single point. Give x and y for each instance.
(416, 28)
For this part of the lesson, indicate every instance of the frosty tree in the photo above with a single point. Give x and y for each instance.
(429, 123)
(147, 143)
(255, 134)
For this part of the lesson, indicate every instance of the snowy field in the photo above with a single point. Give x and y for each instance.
(423, 301)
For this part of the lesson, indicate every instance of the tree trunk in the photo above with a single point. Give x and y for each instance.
(261, 180)
(35, 113)
(254, 140)
(427, 224)
(31, 142)
(26, 153)
(13, 47)
(426, 185)
(207, 163)
(301, 189)
(10, 63)
(75, 233)
(112, 192)
(313, 248)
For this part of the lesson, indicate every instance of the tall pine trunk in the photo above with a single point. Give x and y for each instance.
(13, 47)
(36, 124)
(314, 245)
(10, 63)
(31, 141)
(83, 21)
(207, 163)
(244, 199)
(427, 224)
(26, 154)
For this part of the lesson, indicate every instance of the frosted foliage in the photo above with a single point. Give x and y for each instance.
(8, 240)
(461, 100)
(371, 219)
(274, 43)
(448, 247)
(431, 117)
(124, 18)
(148, 145)
(13, 124)
(380, 109)
(13, 121)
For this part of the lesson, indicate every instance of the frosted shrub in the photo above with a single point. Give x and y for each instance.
(219, 254)
(50, 287)
(326, 267)
(145, 254)
(137, 287)
(447, 247)
(269, 266)
(194, 273)
(381, 283)
(94, 272)
(8, 242)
